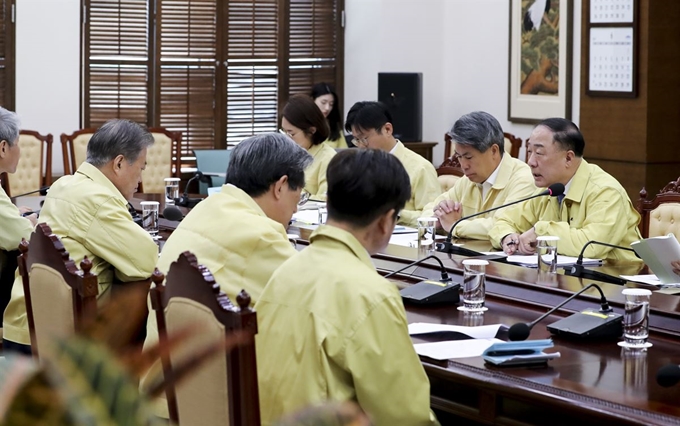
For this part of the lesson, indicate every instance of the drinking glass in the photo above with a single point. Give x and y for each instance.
(546, 250)
(150, 217)
(171, 190)
(323, 215)
(474, 285)
(636, 318)
(426, 232)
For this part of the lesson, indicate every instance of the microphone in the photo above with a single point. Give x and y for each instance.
(589, 323)
(173, 213)
(447, 247)
(668, 375)
(430, 291)
(578, 270)
(42, 191)
(184, 200)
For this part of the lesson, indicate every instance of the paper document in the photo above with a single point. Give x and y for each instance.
(310, 217)
(658, 253)
(411, 240)
(646, 279)
(454, 349)
(480, 332)
(531, 260)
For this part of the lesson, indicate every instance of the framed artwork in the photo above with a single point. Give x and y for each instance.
(540, 60)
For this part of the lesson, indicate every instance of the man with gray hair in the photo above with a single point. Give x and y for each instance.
(13, 226)
(492, 177)
(88, 212)
(239, 234)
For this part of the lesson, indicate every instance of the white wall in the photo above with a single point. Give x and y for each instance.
(460, 46)
(47, 68)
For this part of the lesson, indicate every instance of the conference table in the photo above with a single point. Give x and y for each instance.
(592, 382)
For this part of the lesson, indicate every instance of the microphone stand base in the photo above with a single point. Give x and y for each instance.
(589, 324)
(450, 248)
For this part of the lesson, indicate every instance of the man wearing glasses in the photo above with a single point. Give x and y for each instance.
(371, 126)
(492, 177)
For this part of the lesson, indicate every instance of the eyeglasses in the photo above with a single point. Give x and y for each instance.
(289, 134)
(304, 197)
(364, 141)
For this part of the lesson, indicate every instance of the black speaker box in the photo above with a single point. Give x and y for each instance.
(403, 95)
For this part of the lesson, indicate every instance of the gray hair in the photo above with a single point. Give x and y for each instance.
(9, 126)
(479, 130)
(118, 137)
(259, 161)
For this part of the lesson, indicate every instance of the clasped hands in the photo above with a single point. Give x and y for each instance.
(522, 244)
(448, 212)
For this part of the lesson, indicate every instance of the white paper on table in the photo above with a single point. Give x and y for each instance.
(411, 240)
(454, 348)
(310, 217)
(494, 253)
(531, 260)
(479, 332)
(646, 279)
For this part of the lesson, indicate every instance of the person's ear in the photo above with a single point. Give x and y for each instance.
(312, 130)
(279, 186)
(387, 128)
(569, 159)
(4, 147)
(386, 223)
(118, 164)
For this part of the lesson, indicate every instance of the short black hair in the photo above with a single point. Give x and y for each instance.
(334, 117)
(259, 161)
(367, 115)
(302, 112)
(364, 184)
(566, 134)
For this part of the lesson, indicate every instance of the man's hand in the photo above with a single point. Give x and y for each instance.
(23, 210)
(509, 243)
(676, 267)
(33, 218)
(527, 242)
(448, 212)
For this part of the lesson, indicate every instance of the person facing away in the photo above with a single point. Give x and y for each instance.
(326, 99)
(492, 177)
(88, 212)
(13, 225)
(594, 205)
(329, 326)
(371, 126)
(239, 233)
(303, 122)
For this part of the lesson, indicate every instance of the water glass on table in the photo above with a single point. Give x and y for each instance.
(171, 190)
(427, 227)
(546, 249)
(636, 318)
(474, 285)
(150, 217)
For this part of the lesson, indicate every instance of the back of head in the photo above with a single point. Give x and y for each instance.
(334, 117)
(302, 112)
(9, 126)
(259, 161)
(367, 115)
(566, 134)
(365, 184)
(118, 137)
(479, 130)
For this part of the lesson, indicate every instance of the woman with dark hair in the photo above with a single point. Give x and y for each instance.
(327, 100)
(303, 122)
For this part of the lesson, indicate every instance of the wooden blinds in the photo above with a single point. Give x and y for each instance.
(216, 70)
(7, 50)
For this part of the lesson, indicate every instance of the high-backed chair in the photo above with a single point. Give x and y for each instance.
(59, 297)
(163, 160)
(212, 161)
(450, 170)
(74, 148)
(660, 216)
(225, 390)
(34, 169)
(512, 144)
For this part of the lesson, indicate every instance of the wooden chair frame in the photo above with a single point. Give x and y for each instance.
(188, 279)
(45, 161)
(47, 249)
(451, 165)
(669, 194)
(67, 149)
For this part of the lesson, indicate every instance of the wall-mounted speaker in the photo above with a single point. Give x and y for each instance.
(403, 95)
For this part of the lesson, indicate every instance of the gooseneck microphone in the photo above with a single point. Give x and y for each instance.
(578, 270)
(447, 247)
(42, 191)
(172, 213)
(521, 331)
(430, 291)
(184, 200)
(668, 375)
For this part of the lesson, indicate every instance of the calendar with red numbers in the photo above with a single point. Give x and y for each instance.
(611, 59)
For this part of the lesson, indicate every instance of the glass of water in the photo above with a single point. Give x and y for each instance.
(171, 190)
(636, 318)
(323, 215)
(474, 285)
(546, 250)
(150, 217)
(427, 227)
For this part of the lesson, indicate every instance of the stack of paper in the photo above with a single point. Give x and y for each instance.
(456, 331)
(459, 341)
(658, 253)
(531, 260)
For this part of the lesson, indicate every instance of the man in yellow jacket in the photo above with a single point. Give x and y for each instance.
(371, 126)
(13, 226)
(239, 234)
(88, 212)
(330, 327)
(594, 206)
(492, 177)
